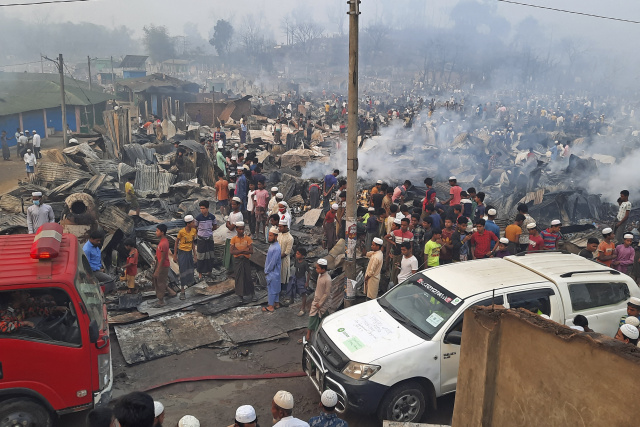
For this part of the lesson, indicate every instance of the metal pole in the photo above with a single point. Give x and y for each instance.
(64, 103)
(93, 107)
(213, 102)
(113, 77)
(352, 144)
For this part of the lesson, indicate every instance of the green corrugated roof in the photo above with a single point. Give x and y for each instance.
(21, 92)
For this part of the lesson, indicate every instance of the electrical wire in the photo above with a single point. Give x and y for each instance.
(17, 65)
(570, 11)
(42, 2)
(76, 83)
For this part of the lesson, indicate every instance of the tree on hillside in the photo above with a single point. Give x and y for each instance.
(158, 43)
(222, 37)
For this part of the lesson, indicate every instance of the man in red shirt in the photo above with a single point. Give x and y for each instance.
(454, 192)
(161, 271)
(536, 242)
(481, 240)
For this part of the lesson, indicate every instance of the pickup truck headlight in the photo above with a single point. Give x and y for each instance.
(360, 371)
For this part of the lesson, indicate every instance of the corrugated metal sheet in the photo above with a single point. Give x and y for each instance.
(193, 145)
(83, 149)
(150, 179)
(11, 204)
(107, 167)
(63, 190)
(111, 219)
(11, 222)
(58, 174)
(94, 184)
(136, 152)
(124, 169)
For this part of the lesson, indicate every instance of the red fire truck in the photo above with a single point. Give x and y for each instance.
(55, 355)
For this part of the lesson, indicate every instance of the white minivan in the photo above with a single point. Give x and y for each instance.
(395, 355)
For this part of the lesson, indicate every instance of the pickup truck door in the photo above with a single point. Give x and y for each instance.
(538, 300)
(602, 303)
(450, 353)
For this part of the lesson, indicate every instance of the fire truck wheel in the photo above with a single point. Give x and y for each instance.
(23, 413)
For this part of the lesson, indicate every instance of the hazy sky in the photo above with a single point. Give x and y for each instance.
(175, 14)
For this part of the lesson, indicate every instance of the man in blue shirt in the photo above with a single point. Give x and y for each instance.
(330, 183)
(93, 253)
(328, 417)
(491, 225)
(242, 187)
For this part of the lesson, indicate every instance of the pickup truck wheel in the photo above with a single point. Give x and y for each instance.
(23, 413)
(405, 402)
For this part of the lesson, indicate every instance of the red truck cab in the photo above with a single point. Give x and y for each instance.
(55, 355)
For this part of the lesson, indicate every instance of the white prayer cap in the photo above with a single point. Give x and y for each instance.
(274, 189)
(284, 399)
(283, 203)
(234, 158)
(21, 133)
(628, 236)
(452, 178)
(371, 209)
(379, 181)
(274, 230)
(36, 194)
(630, 331)
(279, 196)
(634, 301)
(492, 212)
(240, 224)
(322, 261)
(188, 218)
(329, 398)
(545, 316)
(245, 414)
(283, 222)
(531, 225)
(237, 199)
(632, 320)
(28, 150)
(232, 174)
(504, 240)
(188, 421)
(236, 145)
(577, 328)
(158, 408)
(334, 206)
(34, 131)
(555, 222)
(607, 231)
(397, 221)
(240, 168)
(378, 241)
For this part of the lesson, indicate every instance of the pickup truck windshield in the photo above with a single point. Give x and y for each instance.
(89, 291)
(420, 303)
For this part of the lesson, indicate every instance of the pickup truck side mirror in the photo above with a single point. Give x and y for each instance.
(94, 332)
(453, 337)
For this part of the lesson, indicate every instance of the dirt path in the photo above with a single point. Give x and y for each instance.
(13, 170)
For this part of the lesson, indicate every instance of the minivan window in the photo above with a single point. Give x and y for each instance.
(421, 305)
(39, 314)
(591, 295)
(536, 301)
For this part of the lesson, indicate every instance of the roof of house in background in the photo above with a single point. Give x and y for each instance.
(156, 80)
(20, 92)
(133, 61)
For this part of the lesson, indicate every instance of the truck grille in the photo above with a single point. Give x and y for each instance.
(330, 351)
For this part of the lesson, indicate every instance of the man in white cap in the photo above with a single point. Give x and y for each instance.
(454, 192)
(329, 227)
(30, 162)
(607, 248)
(38, 213)
(490, 224)
(245, 417)
(623, 216)
(159, 414)
(625, 255)
(536, 243)
(185, 255)
(36, 144)
(241, 247)
(236, 214)
(320, 303)
(502, 250)
(283, 211)
(551, 236)
(286, 247)
(272, 202)
(374, 267)
(628, 334)
(275, 209)
(328, 416)
(272, 268)
(188, 421)
(282, 409)
(21, 144)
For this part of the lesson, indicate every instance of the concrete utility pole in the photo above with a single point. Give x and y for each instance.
(93, 107)
(64, 102)
(352, 143)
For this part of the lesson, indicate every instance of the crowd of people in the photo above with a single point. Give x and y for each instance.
(138, 409)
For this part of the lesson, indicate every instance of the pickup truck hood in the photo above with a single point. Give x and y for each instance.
(366, 332)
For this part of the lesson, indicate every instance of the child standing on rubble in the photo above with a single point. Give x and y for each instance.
(130, 195)
(299, 280)
(261, 195)
(131, 267)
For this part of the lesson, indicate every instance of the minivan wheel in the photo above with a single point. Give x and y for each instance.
(405, 402)
(23, 413)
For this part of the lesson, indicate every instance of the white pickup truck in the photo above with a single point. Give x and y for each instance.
(395, 355)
